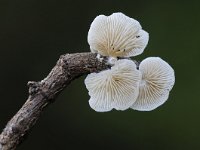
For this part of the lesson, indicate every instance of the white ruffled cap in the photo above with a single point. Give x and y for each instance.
(117, 35)
(157, 81)
(116, 88)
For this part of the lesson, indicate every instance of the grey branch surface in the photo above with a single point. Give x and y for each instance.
(68, 68)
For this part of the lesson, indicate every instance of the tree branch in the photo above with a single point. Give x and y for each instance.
(68, 68)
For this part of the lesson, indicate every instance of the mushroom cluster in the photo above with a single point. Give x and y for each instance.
(126, 85)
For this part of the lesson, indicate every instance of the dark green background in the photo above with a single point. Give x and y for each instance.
(34, 33)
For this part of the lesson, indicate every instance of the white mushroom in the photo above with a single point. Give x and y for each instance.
(117, 87)
(157, 81)
(117, 35)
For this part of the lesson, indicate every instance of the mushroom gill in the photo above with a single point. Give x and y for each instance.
(117, 35)
(116, 88)
(157, 81)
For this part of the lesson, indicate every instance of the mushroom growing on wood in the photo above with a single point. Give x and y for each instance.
(157, 81)
(117, 87)
(117, 35)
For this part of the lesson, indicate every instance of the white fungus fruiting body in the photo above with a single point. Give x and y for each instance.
(116, 88)
(117, 35)
(157, 81)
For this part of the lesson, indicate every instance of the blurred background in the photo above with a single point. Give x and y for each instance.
(34, 33)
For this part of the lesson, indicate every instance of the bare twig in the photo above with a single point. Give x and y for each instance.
(68, 68)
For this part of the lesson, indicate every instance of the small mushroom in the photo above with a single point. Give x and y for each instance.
(117, 87)
(117, 35)
(157, 81)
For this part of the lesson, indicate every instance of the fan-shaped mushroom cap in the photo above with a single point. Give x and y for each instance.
(117, 35)
(116, 88)
(157, 81)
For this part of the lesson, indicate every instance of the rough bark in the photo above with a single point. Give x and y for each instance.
(68, 68)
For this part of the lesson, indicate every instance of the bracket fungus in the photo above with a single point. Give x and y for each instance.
(117, 87)
(117, 35)
(124, 85)
(157, 81)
